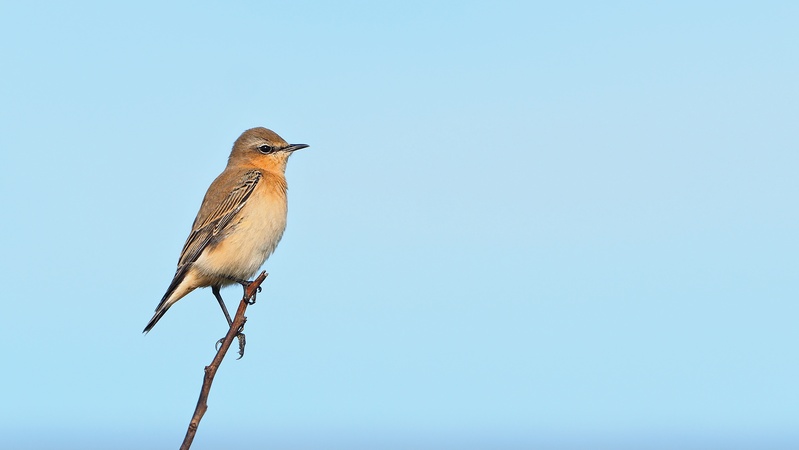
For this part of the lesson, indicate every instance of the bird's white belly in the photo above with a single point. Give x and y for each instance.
(254, 235)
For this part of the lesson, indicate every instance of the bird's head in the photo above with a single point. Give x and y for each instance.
(263, 148)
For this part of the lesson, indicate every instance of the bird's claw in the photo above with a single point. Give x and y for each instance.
(246, 285)
(242, 343)
(251, 300)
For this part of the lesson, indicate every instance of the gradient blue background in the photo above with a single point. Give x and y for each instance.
(519, 224)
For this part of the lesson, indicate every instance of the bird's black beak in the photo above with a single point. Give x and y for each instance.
(293, 147)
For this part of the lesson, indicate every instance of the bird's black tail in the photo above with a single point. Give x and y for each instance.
(163, 306)
(159, 313)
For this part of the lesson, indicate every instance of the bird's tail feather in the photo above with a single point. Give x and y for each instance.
(158, 314)
(163, 306)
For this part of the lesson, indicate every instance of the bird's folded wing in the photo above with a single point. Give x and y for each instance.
(209, 226)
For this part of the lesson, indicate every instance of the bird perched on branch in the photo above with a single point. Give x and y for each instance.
(241, 220)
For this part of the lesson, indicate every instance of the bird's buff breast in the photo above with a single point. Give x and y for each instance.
(254, 235)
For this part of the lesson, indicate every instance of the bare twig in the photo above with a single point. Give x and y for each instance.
(210, 370)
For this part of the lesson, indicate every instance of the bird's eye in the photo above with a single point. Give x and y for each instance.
(266, 149)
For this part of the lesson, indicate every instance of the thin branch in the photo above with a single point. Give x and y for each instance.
(210, 371)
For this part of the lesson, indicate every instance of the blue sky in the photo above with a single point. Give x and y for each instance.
(569, 225)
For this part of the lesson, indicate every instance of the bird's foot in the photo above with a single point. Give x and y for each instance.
(251, 299)
(246, 284)
(242, 343)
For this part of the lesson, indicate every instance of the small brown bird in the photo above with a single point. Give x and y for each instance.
(240, 223)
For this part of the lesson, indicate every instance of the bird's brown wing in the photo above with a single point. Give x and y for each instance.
(217, 212)
(224, 199)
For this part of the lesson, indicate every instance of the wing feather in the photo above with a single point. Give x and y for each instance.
(207, 227)
(212, 225)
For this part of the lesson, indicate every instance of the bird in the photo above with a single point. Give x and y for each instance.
(240, 223)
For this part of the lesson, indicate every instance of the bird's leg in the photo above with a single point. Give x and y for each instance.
(239, 334)
(215, 290)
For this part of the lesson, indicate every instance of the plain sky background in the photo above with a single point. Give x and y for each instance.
(555, 225)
